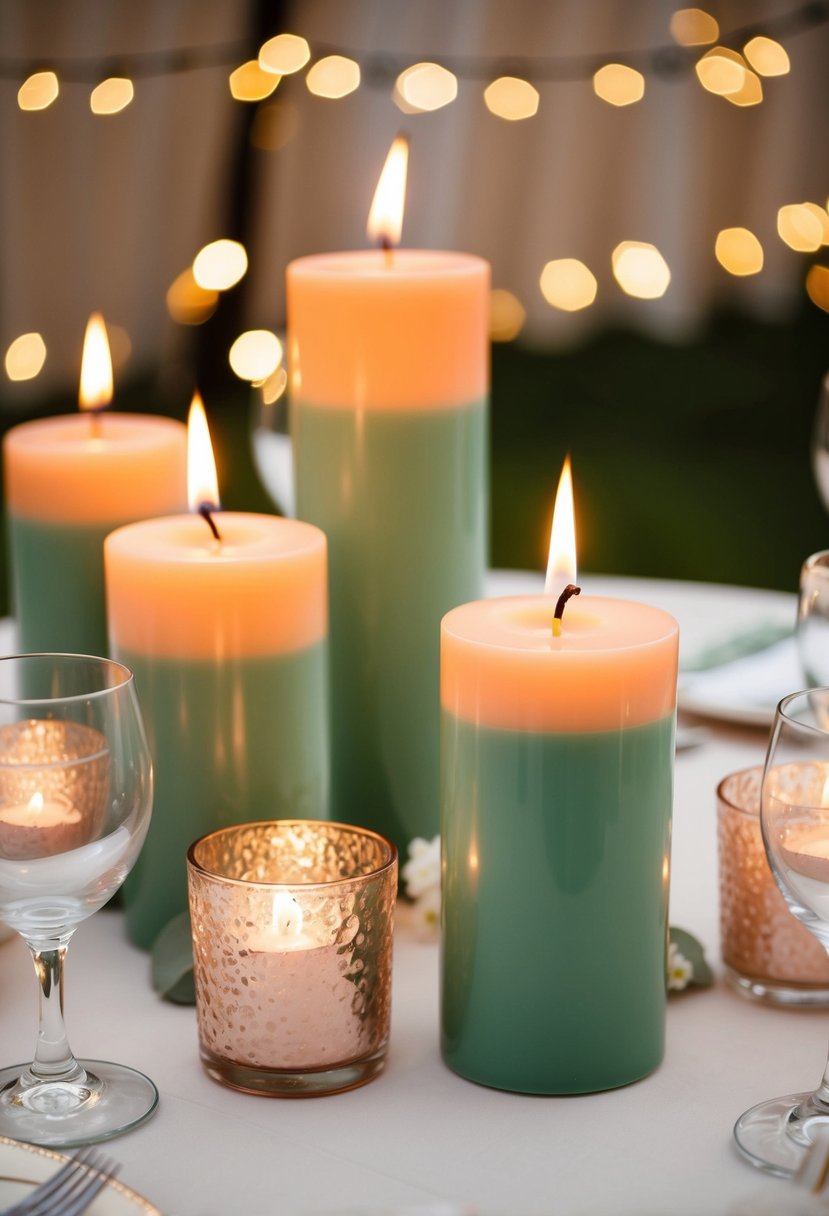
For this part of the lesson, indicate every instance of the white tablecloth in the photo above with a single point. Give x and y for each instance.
(420, 1134)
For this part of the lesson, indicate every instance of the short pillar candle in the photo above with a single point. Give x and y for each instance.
(557, 763)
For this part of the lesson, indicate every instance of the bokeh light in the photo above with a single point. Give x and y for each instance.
(256, 355)
(427, 86)
(721, 71)
(25, 357)
(249, 82)
(619, 85)
(738, 251)
(38, 91)
(766, 56)
(822, 218)
(506, 315)
(799, 228)
(568, 284)
(274, 126)
(274, 386)
(112, 95)
(284, 54)
(220, 265)
(189, 304)
(751, 92)
(693, 27)
(334, 76)
(640, 270)
(817, 286)
(511, 98)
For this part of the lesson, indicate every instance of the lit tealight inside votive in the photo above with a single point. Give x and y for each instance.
(292, 924)
(53, 784)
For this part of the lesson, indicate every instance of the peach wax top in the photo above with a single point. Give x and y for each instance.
(614, 665)
(79, 469)
(172, 590)
(402, 329)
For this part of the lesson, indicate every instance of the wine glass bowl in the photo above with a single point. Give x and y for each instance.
(812, 633)
(75, 803)
(776, 1134)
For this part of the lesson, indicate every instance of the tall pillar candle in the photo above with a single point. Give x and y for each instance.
(227, 640)
(557, 761)
(389, 382)
(69, 481)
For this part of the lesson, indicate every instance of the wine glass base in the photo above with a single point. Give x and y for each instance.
(775, 1135)
(123, 1099)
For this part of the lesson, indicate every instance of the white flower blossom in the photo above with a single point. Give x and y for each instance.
(426, 912)
(680, 971)
(421, 872)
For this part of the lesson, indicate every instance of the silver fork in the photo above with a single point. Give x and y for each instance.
(70, 1190)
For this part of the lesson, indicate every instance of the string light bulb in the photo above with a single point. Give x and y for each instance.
(284, 54)
(427, 86)
(334, 77)
(693, 27)
(640, 270)
(25, 357)
(721, 71)
(767, 56)
(511, 98)
(249, 82)
(220, 265)
(506, 315)
(619, 85)
(799, 228)
(738, 251)
(38, 91)
(256, 355)
(112, 95)
(567, 284)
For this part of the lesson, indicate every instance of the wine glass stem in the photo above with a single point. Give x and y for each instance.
(53, 1056)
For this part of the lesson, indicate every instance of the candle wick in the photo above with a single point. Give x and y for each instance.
(569, 591)
(95, 415)
(387, 247)
(205, 510)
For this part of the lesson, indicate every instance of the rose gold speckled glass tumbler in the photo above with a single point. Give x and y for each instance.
(292, 940)
(767, 953)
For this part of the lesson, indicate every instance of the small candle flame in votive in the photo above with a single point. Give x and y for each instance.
(385, 219)
(286, 915)
(96, 370)
(202, 480)
(35, 804)
(561, 562)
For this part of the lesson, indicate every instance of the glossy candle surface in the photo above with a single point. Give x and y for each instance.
(69, 481)
(389, 383)
(228, 645)
(556, 804)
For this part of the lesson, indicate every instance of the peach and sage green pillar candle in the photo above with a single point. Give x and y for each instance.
(389, 383)
(227, 639)
(69, 481)
(557, 761)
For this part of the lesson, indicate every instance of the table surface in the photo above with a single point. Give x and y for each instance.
(420, 1136)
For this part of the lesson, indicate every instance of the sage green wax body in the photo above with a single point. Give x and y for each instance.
(401, 495)
(58, 585)
(232, 742)
(555, 898)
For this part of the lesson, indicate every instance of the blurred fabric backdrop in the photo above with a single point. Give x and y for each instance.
(688, 416)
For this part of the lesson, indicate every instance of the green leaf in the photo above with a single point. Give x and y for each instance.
(688, 945)
(172, 961)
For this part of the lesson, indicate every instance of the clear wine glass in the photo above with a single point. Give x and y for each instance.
(271, 441)
(75, 802)
(776, 1134)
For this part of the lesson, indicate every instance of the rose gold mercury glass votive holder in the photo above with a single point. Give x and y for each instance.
(292, 941)
(767, 953)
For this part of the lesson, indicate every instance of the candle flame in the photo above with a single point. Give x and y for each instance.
(202, 482)
(286, 916)
(96, 366)
(561, 563)
(35, 803)
(385, 219)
